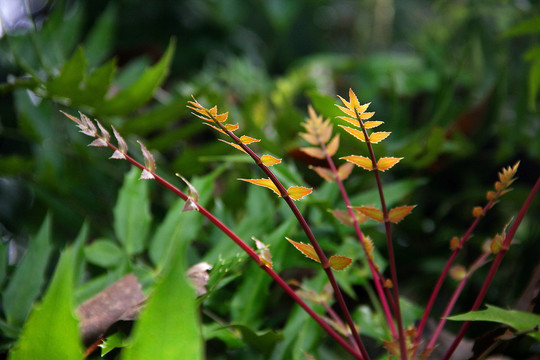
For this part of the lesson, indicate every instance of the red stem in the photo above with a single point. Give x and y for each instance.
(377, 277)
(498, 259)
(391, 257)
(307, 230)
(251, 254)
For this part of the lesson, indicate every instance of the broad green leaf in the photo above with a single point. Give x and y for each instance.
(530, 26)
(97, 84)
(534, 83)
(114, 341)
(99, 41)
(264, 340)
(142, 90)
(518, 320)
(104, 253)
(70, 78)
(78, 253)
(28, 278)
(52, 331)
(3, 262)
(132, 213)
(167, 327)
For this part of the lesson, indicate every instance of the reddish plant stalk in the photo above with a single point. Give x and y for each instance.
(445, 271)
(457, 292)
(391, 257)
(251, 254)
(494, 267)
(307, 230)
(377, 277)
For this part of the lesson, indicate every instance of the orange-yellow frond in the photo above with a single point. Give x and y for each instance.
(314, 152)
(347, 111)
(351, 121)
(338, 262)
(248, 140)
(345, 170)
(325, 173)
(222, 117)
(269, 160)
(229, 127)
(234, 145)
(267, 183)
(333, 146)
(354, 101)
(371, 124)
(359, 134)
(398, 213)
(386, 163)
(305, 249)
(366, 115)
(298, 192)
(361, 161)
(312, 139)
(371, 212)
(376, 137)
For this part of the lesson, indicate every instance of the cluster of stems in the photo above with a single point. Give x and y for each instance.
(388, 294)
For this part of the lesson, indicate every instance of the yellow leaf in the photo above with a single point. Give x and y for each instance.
(265, 183)
(371, 212)
(227, 126)
(361, 161)
(269, 160)
(398, 213)
(378, 136)
(351, 113)
(234, 145)
(213, 111)
(325, 173)
(345, 170)
(333, 146)
(350, 120)
(365, 116)
(305, 249)
(222, 117)
(371, 124)
(355, 105)
(338, 262)
(314, 152)
(310, 138)
(298, 192)
(359, 134)
(346, 103)
(248, 140)
(386, 163)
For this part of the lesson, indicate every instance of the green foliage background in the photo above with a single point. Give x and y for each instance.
(455, 82)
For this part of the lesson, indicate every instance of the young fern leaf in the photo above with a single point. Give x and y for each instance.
(337, 262)
(371, 212)
(361, 161)
(269, 160)
(298, 192)
(193, 196)
(386, 163)
(267, 183)
(264, 252)
(376, 137)
(398, 213)
(354, 132)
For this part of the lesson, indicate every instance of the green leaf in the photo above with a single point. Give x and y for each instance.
(3, 262)
(518, 320)
(264, 340)
(167, 327)
(138, 93)
(530, 26)
(534, 84)
(97, 84)
(28, 278)
(99, 41)
(78, 253)
(132, 213)
(70, 78)
(52, 331)
(104, 253)
(114, 341)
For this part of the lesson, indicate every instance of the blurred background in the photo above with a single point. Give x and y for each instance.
(456, 83)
